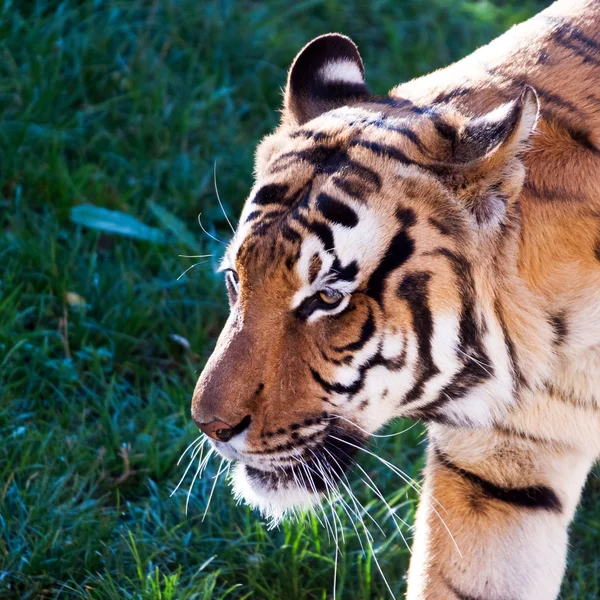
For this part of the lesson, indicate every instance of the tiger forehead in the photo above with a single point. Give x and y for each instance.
(412, 137)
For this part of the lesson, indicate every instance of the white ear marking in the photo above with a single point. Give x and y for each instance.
(345, 71)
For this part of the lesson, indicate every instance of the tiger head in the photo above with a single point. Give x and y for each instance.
(368, 279)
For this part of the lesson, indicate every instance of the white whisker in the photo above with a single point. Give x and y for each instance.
(195, 453)
(389, 435)
(391, 512)
(355, 500)
(219, 197)
(198, 471)
(354, 511)
(212, 237)
(404, 477)
(189, 268)
(477, 362)
(195, 255)
(199, 439)
(214, 485)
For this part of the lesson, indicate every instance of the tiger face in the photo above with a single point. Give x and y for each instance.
(364, 279)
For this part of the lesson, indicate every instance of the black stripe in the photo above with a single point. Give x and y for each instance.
(446, 131)
(336, 211)
(317, 136)
(582, 138)
(443, 97)
(568, 36)
(510, 346)
(583, 54)
(271, 193)
(575, 132)
(344, 361)
(469, 377)
(395, 154)
(347, 273)
(384, 123)
(339, 388)
(569, 397)
(253, 215)
(393, 364)
(263, 226)
(413, 289)
(406, 216)
(366, 333)
(389, 101)
(551, 195)
(560, 327)
(440, 226)
(358, 181)
(399, 251)
(477, 367)
(291, 235)
(321, 230)
(468, 332)
(326, 159)
(510, 431)
(384, 150)
(536, 496)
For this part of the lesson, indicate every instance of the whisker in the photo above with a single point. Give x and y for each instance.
(409, 480)
(349, 490)
(387, 585)
(198, 471)
(212, 237)
(369, 538)
(331, 485)
(189, 268)
(219, 197)
(477, 362)
(199, 439)
(325, 524)
(395, 518)
(405, 478)
(195, 255)
(312, 485)
(214, 485)
(354, 511)
(389, 435)
(195, 453)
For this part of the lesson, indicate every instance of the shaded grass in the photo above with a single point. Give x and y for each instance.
(120, 104)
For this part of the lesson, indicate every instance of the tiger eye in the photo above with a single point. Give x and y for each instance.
(329, 296)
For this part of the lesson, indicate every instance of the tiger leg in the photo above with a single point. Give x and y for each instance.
(493, 518)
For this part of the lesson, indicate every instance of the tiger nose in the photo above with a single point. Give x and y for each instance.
(221, 431)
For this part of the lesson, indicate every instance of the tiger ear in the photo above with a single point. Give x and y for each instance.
(328, 72)
(486, 154)
(505, 129)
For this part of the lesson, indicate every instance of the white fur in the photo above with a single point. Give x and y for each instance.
(276, 504)
(346, 71)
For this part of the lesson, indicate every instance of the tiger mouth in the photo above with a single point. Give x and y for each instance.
(285, 490)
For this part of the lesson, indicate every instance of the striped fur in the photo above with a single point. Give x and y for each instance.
(433, 254)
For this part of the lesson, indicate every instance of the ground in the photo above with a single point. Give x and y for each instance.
(126, 105)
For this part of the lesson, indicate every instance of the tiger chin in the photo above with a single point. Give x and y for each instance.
(434, 254)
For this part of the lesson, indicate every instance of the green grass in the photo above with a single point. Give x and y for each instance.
(125, 105)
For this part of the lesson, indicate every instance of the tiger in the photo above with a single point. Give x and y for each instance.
(431, 254)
